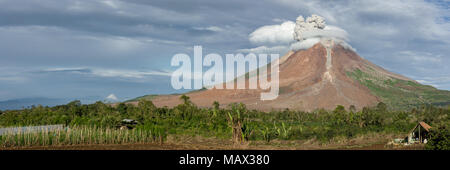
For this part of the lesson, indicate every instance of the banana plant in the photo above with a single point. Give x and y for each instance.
(231, 121)
(266, 134)
(286, 131)
(246, 132)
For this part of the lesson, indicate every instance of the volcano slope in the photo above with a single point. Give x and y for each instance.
(323, 76)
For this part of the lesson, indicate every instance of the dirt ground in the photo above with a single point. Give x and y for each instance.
(166, 146)
(200, 143)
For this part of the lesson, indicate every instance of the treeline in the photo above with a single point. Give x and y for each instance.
(234, 121)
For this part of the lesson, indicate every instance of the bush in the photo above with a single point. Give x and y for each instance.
(439, 139)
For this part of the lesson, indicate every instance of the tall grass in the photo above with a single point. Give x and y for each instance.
(83, 135)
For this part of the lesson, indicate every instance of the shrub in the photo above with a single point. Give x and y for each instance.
(439, 139)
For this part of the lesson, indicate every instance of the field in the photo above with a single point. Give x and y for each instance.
(186, 126)
(200, 143)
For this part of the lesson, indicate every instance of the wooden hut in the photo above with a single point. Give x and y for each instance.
(419, 133)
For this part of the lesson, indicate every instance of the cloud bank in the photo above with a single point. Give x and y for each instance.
(299, 35)
(273, 34)
(100, 72)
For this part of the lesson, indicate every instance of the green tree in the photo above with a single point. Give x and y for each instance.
(352, 108)
(216, 105)
(215, 108)
(339, 109)
(76, 103)
(74, 107)
(439, 139)
(122, 108)
(185, 99)
(146, 106)
(381, 107)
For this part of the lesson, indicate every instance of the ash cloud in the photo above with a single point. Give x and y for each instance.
(311, 30)
(312, 24)
(299, 35)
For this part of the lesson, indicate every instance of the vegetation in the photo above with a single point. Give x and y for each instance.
(97, 123)
(152, 96)
(146, 97)
(82, 135)
(400, 94)
(439, 138)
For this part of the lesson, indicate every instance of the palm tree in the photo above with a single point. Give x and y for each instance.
(216, 105)
(185, 99)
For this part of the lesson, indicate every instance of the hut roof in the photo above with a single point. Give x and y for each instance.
(425, 126)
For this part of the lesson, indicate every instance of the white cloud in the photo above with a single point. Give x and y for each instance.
(305, 44)
(12, 79)
(127, 73)
(419, 57)
(335, 32)
(118, 73)
(12, 75)
(435, 81)
(265, 49)
(279, 20)
(309, 42)
(424, 81)
(273, 34)
(110, 3)
(210, 28)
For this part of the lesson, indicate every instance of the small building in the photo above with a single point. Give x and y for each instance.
(129, 121)
(128, 124)
(419, 133)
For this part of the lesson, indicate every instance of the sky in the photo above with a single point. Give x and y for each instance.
(117, 49)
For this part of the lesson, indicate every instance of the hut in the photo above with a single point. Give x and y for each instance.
(127, 124)
(419, 133)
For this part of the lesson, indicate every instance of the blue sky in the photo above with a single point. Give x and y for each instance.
(94, 48)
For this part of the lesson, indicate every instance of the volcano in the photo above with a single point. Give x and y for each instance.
(324, 76)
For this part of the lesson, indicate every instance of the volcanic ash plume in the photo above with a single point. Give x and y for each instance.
(312, 24)
(312, 30)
